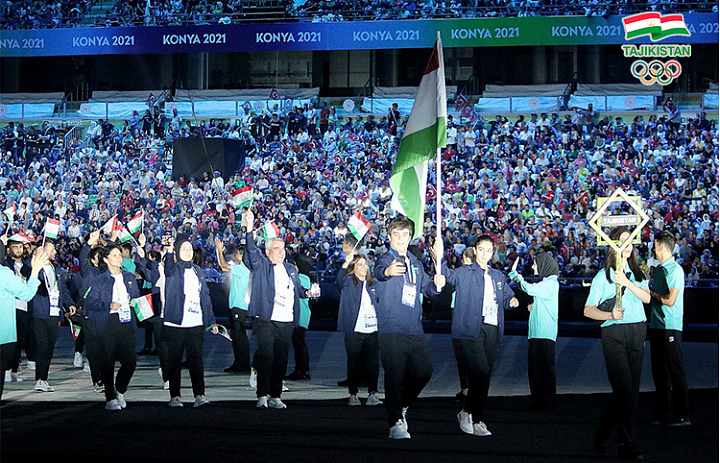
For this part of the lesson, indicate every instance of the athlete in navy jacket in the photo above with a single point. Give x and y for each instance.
(401, 279)
(482, 295)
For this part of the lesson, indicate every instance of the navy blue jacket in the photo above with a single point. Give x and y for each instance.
(41, 301)
(469, 282)
(99, 298)
(175, 293)
(393, 316)
(25, 270)
(88, 272)
(350, 299)
(262, 296)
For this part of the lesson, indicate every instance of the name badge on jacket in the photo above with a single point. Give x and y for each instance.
(409, 294)
(54, 304)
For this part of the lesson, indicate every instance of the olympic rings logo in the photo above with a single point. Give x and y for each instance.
(656, 71)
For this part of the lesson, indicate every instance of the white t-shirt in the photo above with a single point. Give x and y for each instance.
(367, 318)
(284, 296)
(490, 308)
(192, 312)
(19, 303)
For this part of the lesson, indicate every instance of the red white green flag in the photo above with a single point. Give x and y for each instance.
(10, 213)
(243, 197)
(270, 231)
(358, 226)
(143, 307)
(110, 225)
(424, 135)
(123, 235)
(135, 224)
(52, 228)
(75, 329)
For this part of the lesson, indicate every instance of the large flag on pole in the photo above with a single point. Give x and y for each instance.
(425, 133)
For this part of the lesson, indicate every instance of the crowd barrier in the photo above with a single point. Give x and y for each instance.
(19, 111)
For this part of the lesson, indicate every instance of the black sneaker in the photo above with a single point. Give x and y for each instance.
(627, 452)
(233, 369)
(343, 383)
(145, 351)
(680, 421)
(656, 421)
(298, 376)
(460, 397)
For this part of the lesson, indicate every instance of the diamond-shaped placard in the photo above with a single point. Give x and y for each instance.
(635, 203)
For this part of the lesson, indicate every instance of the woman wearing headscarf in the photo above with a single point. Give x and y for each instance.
(542, 329)
(186, 314)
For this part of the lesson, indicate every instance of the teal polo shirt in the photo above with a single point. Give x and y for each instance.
(304, 302)
(662, 316)
(239, 282)
(543, 320)
(601, 290)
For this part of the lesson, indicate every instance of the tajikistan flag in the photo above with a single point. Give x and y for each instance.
(424, 135)
(123, 235)
(358, 226)
(135, 224)
(110, 225)
(143, 307)
(243, 197)
(10, 213)
(655, 25)
(52, 228)
(270, 231)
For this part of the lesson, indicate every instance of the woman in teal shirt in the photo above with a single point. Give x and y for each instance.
(542, 329)
(623, 342)
(12, 287)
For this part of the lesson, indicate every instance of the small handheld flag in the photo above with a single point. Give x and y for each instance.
(52, 228)
(270, 231)
(358, 226)
(143, 307)
(243, 197)
(136, 222)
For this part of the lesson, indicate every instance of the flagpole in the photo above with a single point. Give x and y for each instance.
(438, 212)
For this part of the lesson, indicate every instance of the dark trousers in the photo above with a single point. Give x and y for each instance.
(623, 347)
(117, 344)
(668, 371)
(7, 357)
(461, 365)
(240, 341)
(25, 338)
(149, 329)
(163, 349)
(46, 331)
(479, 356)
(363, 357)
(271, 357)
(94, 351)
(189, 341)
(302, 356)
(406, 362)
(541, 373)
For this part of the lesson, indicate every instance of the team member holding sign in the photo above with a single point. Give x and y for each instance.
(623, 340)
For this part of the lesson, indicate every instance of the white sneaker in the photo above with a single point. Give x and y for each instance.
(160, 372)
(480, 429)
(31, 365)
(200, 400)
(276, 403)
(354, 401)
(262, 402)
(176, 402)
(372, 400)
(404, 417)
(86, 367)
(11, 377)
(43, 386)
(121, 399)
(78, 360)
(253, 378)
(285, 388)
(113, 405)
(466, 424)
(399, 431)
(166, 386)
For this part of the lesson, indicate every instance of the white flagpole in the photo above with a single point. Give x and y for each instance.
(438, 211)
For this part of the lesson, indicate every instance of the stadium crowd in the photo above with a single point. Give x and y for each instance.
(27, 14)
(532, 183)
